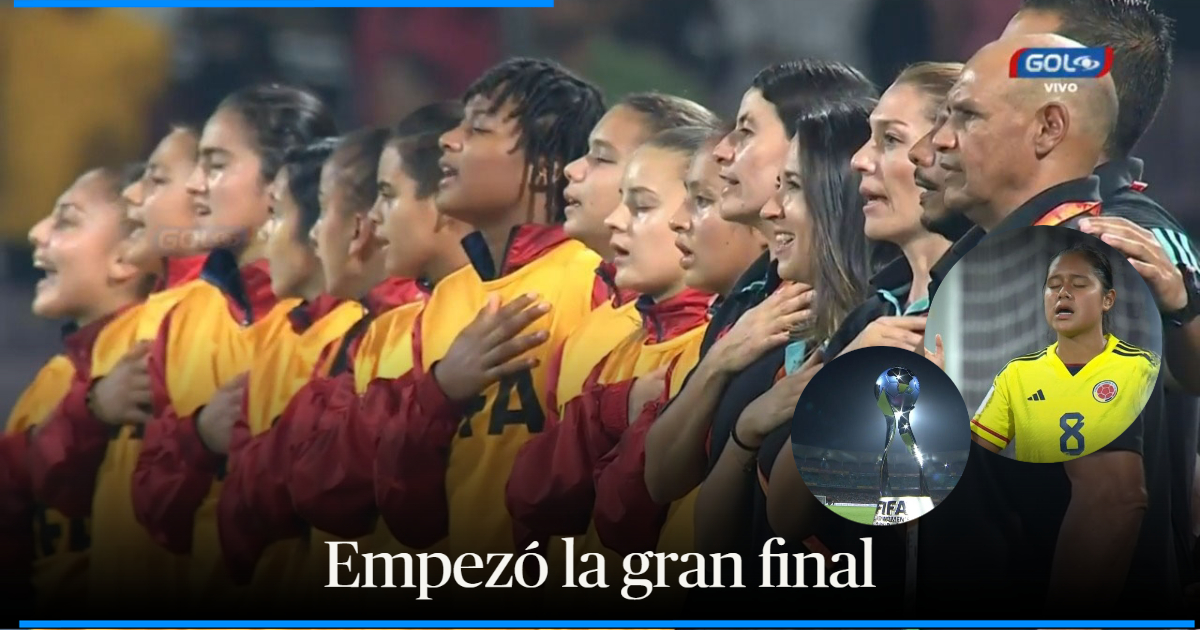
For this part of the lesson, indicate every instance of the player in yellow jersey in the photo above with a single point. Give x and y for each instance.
(81, 247)
(553, 475)
(84, 456)
(1078, 395)
(479, 392)
(715, 253)
(176, 477)
(256, 506)
(287, 361)
(592, 193)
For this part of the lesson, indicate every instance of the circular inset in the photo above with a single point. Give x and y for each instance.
(1053, 338)
(881, 435)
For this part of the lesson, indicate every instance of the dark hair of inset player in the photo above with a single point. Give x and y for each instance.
(1101, 268)
(416, 138)
(828, 135)
(303, 165)
(793, 87)
(661, 112)
(1141, 39)
(356, 164)
(555, 111)
(280, 118)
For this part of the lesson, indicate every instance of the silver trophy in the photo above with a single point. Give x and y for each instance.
(896, 392)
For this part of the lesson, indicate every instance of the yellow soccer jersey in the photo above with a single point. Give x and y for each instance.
(1054, 416)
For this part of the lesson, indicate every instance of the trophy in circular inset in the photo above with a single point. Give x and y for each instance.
(896, 392)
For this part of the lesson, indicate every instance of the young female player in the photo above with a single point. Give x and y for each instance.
(715, 252)
(416, 242)
(592, 193)
(284, 364)
(81, 248)
(166, 240)
(551, 485)
(241, 150)
(85, 454)
(439, 475)
(1092, 381)
(752, 156)
(895, 314)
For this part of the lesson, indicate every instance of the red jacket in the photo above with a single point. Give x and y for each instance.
(551, 490)
(256, 507)
(175, 470)
(66, 451)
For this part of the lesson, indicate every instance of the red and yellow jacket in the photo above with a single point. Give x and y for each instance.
(60, 544)
(82, 467)
(441, 467)
(256, 507)
(551, 490)
(173, 491)
(613, 319)
(41, 547)
(626, 519)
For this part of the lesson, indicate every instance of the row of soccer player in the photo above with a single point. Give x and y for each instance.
(530, 317)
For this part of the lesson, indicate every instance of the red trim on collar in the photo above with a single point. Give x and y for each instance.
(180, 270)
(674, 316)
(530, 242)
(1139, 186)
(256, 281)
(393, 292)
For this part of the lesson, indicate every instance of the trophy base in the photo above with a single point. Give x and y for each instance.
(896, 510)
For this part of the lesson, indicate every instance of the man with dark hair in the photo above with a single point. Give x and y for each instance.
(1141, 39)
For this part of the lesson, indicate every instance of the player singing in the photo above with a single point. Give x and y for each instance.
(1091, 381)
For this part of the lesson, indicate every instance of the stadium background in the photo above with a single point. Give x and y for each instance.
(80, 87)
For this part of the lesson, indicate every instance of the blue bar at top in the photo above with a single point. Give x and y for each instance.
(200, 4)
(517, 625)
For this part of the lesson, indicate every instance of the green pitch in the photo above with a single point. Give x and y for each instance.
(858, 514)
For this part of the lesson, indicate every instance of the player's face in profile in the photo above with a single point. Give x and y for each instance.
(791, 224)
(1074, 299)
(752, 156)
(1032, 22)
(709, 244)
(78, 248)
(483, 165)
(165, 223)
(291, 259)
(979, 144)
(405, 224)
(334, 231)
(652, 189)
(227, 188)
(594, 180)
(892, 205)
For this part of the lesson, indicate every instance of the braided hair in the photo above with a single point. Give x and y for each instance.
(303, 166)
(555, 111)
